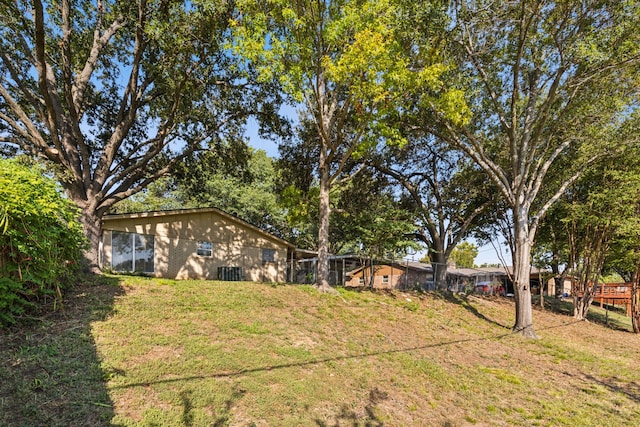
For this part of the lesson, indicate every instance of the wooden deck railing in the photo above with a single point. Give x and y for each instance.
(614, 293)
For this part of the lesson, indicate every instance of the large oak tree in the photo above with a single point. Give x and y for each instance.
(111, 93)
(446, 194)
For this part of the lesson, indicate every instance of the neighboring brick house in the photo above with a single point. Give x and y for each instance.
(392, 275)
(193, 244)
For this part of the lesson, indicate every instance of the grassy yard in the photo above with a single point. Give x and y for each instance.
(136, 351)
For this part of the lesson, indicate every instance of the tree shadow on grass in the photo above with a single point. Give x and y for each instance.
(596, 314)
(463, 301)
(50, 372)
(223, 418)
(629, 389)
(224, 413)
(366, 417)
(554, 305)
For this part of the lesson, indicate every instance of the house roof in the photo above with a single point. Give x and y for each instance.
(412, 265)
(312, 256)
(481, 271)
(176, 212)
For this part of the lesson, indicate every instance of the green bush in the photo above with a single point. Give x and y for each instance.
(41, 241)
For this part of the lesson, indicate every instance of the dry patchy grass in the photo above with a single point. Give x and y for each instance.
(197, 353)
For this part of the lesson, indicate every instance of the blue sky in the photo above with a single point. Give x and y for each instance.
(260, 143)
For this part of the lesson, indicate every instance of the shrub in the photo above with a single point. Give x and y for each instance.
(41, 241)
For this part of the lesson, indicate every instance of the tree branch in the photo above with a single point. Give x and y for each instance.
(535, 220)
(99, 41)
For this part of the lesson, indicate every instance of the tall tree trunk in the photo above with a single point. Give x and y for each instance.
(521, 275)
(93, 230)
(591, 261)
(323, 229)
(583, 303)
(583, 292)
(635, 303)
(91, 219)
(372, 273)
(439, 265)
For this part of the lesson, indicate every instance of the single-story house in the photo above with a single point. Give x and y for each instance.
(202, 243)
(539, 277)
(490, 279)
(392, 275)
(485, 280)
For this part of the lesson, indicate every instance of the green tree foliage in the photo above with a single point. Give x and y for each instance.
(366, 217)
(546, 80)
(237, 179)
(464, 255)
(369, 220)
(619, 200)
(623, 257)
(246, 187)
(595, 227)
(41, 240)
(345, 62)
(113, 93)
(447, 195)
(160, 195)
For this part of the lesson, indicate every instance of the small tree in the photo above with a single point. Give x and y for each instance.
(595, 226)
(623, 256)
(624, 259)
(464, 255)
(41, 241)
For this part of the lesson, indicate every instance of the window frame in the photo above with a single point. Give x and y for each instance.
(136, 241)
(268, 255)
(206, 253)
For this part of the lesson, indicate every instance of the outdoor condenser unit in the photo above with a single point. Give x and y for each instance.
(230, 274)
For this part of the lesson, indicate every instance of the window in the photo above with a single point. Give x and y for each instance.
(204, 248)
(361, 280)
(268, 255)
(132, 252)
(385, 279)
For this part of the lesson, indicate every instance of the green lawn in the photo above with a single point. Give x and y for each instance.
(136, 351)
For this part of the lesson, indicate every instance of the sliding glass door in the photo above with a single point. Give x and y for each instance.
(132, 252)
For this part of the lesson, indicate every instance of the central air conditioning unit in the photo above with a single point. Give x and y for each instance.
(230, 274)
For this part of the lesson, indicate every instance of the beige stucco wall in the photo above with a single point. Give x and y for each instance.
(235, 244)
(551, 287)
